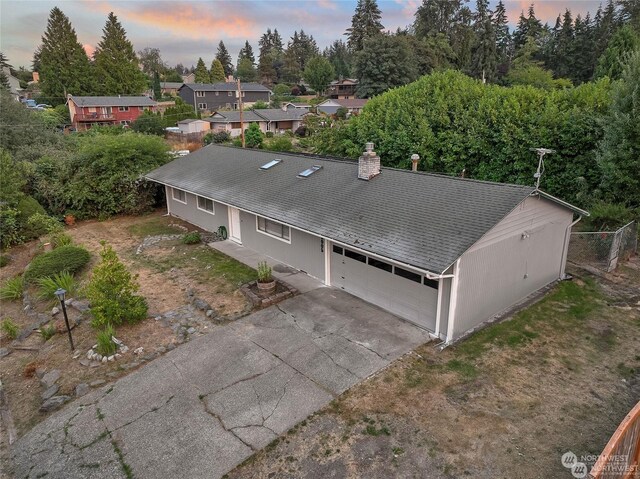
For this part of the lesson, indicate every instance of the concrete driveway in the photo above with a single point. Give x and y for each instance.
(203, 408)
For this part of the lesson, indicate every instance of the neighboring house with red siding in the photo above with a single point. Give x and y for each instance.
(87, 111)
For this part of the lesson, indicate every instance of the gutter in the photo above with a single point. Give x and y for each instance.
(565, 248)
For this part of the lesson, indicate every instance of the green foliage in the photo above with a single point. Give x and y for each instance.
(282, 89)
(202, 74)
(608, 216)
(253, 136)
(223, 56)
(104, 340)
(64, 66)
(279, 143)
(217, 137)
(612, 62)
(619, 152)
(65, 258)
(116, 63)
(111, 292)
(246, 71)
(10, 328)
(12, 179)
(259, 105)
(264, 272)
(149, 123)
(341, 113)
(40, 224)
(10, 230)
(103, 177)
(49, 284)
(4, 260)
(365, 24)
(27, 207)
(157, 88)
(12, 288)
(60, 239)
(181, 111)
(528, 71)
(454, 122)
(318, 74)
(192, 237)
(48, 332)
(217, 71)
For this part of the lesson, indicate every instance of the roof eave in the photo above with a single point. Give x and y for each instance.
(573, 208)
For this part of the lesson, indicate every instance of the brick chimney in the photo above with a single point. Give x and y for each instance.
(414, 162)
(368, 163)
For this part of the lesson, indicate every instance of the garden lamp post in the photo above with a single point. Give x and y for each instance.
(60, 293)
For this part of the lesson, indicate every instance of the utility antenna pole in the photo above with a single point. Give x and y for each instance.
(538, 174)
(241, 116)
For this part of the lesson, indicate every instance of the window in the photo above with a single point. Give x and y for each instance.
(380, 265)
(205, 204)
(273, 228)
(217, 93)
(124, 122)
(357, 256)
(229, 93)
(431, 283)
(123, 108)
(271, 164)
(309, 171)
(408, 275)
(202, 106)
(179, 195)
(200, 94)
(337, 249)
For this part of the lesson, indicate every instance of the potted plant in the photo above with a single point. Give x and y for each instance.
(266, 283)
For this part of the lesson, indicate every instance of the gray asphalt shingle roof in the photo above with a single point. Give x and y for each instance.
(113, 100)
(278, 114)
(226, 86)
(424, 220)
(233, 117)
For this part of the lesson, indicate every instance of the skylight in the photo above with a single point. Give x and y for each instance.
(271, 164)
(309, 171)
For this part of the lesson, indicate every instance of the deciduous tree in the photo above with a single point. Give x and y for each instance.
(318, 74)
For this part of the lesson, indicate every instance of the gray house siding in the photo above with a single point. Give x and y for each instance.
(520, 255)
(222, 99)
(303, 253)
(193, 215)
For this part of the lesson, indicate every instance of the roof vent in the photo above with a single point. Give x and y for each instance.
(368, 163)
(271, 164)
(309, 171)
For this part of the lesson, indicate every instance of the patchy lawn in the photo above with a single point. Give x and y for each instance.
(506, 403)
(170, 274)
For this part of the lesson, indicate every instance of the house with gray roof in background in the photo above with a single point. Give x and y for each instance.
(275, 120)
(445, 253)
(88, 111)
(210, 97)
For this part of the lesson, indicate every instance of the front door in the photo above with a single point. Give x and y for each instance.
(234, 225)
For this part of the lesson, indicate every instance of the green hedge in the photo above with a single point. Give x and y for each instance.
(65, 258)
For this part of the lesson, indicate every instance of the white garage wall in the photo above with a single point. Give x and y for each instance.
(520, 255)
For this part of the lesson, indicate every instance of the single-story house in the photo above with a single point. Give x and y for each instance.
(210, 97)
(445, 253)
(170, 87)
(330, 107)
(193, 126)
(87, 111)
(14, 83)
(297, 106)
(275, 120)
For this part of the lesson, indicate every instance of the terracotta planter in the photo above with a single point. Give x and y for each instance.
(70, 220)
(267, 288)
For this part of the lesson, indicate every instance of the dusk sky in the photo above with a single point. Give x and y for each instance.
(186, 30)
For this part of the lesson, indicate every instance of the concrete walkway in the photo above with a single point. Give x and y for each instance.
(298, 279)
(203, 408)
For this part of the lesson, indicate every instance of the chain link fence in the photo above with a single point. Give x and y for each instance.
(603, 249)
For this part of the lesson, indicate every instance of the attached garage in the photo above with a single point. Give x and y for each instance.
(406, 293)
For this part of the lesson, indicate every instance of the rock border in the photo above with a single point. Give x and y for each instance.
(263, 302)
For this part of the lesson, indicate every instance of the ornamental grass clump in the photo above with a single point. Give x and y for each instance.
(112, 292)
(264, 272)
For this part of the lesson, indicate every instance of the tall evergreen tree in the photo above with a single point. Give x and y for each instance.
(202, 74)
(339, 57)
(4, 81)
(246, 71)
(563, 54)
(462, 38)
(247, 52)
(436, 16)
(224, 57)
(584, 61)
(157, 89)
(270, 61)
(64, 65)
(300, 49)
(365, 23)
(612, 61)
(484, 56)
(116, 64)
(528, 26)
(504, 42)
(217, 72)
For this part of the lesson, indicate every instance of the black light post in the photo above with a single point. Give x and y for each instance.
(60, 294)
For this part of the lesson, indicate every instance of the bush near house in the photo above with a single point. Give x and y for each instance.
(253, 136)
(217, 137)
(112, 292)
(279, 143)
(65, 258)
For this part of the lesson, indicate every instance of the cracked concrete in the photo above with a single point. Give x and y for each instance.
(203, 408)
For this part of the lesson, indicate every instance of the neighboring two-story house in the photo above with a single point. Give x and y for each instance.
(344, 89)
(210, 97)
(87, 111)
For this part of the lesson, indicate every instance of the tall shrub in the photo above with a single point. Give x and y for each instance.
(112, 292)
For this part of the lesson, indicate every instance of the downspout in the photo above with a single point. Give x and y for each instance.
(565, 248)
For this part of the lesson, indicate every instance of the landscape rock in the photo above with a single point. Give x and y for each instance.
(68, 301)
(171, 347)
(82, 389)
(104, 359)
(85, 362)
(40, 372)
(201, 304)
(55, 310)
(4, 352)
(53, 403)
(97, 382)
(191, 330)
(49, 392)
(139, 350)
(50, 378)
(211, 313)
(81, 306)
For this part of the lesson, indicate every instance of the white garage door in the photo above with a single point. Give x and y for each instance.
(405, 293)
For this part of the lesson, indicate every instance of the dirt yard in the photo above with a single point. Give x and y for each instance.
(507, 403)
(169, 274)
